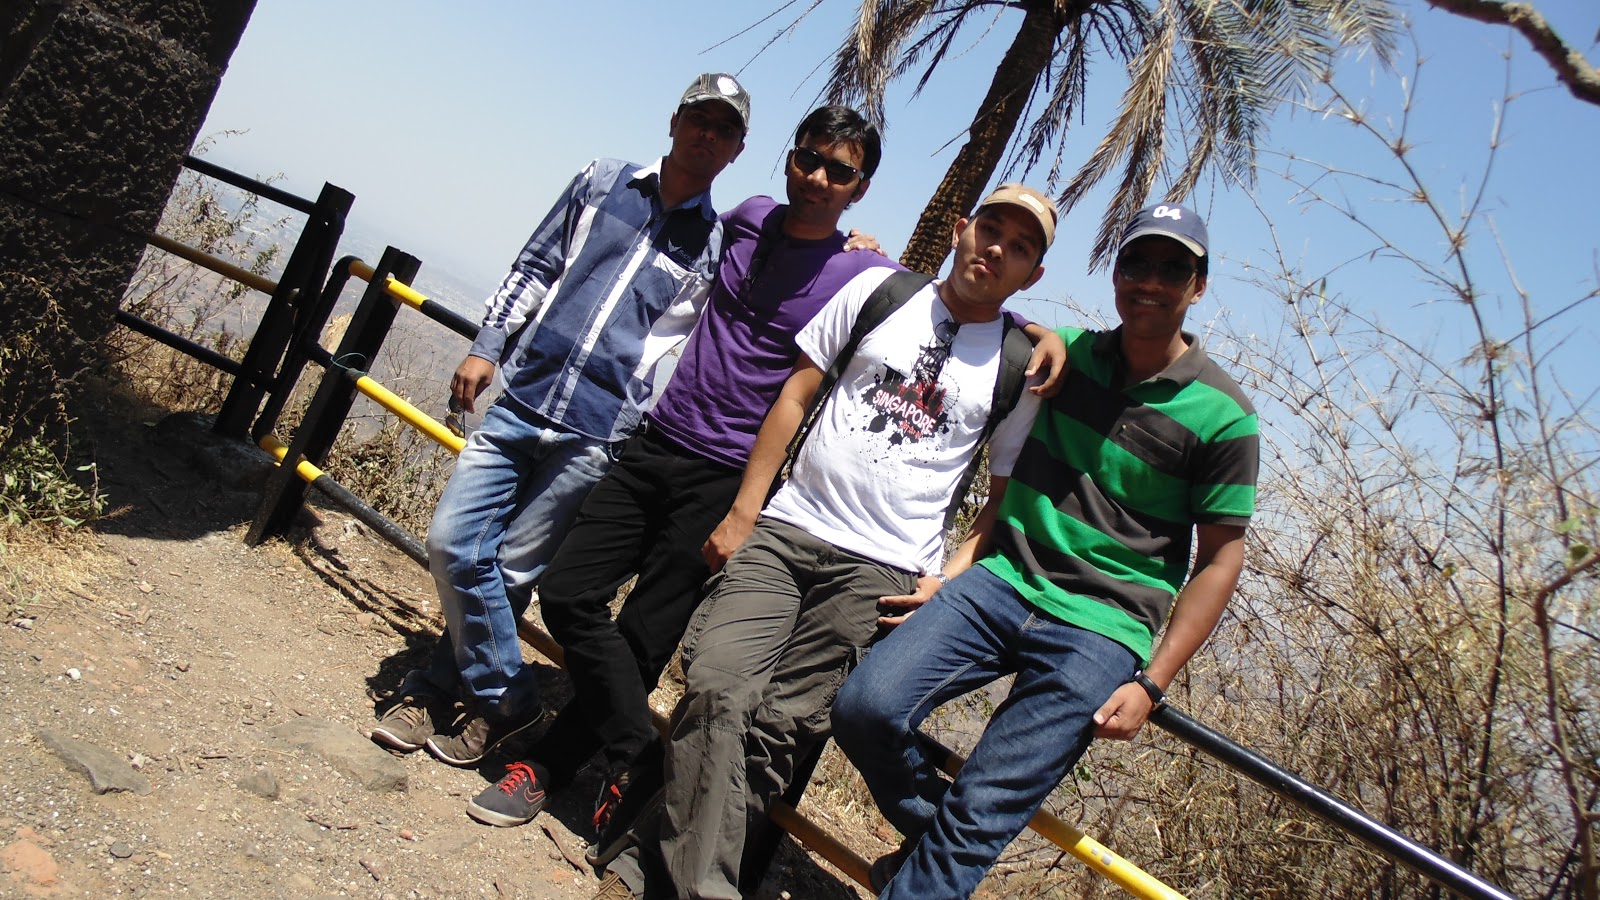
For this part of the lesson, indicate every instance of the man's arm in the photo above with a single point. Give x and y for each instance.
(971, 550)
(766, 458)
(521, 292)
(1219, 558)
(1050, 352)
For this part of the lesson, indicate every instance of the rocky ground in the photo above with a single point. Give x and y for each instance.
(184, 715)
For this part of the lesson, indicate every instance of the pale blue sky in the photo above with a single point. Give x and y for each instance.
(456, 126)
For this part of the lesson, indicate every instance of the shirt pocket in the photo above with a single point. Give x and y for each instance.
(1158, 454)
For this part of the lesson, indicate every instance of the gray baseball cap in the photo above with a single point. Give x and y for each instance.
(719, 86)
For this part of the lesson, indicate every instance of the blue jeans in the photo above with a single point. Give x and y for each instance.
(516, 488)
(974, 630)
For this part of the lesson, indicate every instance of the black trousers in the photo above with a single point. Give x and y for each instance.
(649, 516)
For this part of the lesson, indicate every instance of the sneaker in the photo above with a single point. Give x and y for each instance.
(408, 723)
(885, 868)
(624, 802)
(612, 887)
(479, 737)
(513, 800)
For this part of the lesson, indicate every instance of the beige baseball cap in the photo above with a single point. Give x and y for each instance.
(1040, 206)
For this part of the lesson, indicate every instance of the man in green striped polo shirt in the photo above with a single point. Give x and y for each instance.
(1149, 451)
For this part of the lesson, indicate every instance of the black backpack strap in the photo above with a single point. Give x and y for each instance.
(888, 297)
(1015, 351)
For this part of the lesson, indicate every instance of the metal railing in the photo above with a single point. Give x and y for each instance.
(260, 373)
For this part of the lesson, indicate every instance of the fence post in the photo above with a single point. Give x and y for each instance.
(307, 328)
(301, 283)
(285, 491)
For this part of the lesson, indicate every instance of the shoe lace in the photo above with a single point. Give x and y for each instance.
(516, 774)
(410, 712)
(610, 799)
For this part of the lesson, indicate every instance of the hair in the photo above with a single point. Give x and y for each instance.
(841, 123)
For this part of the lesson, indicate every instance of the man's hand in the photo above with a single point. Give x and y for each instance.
(729, 535)
(855, 240)
(1121, 717)
(1049, 354)
(471, 379)
(926, 585)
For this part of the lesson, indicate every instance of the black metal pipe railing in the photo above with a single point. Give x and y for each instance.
(178, 342)
(1325, 806)
(254, 186)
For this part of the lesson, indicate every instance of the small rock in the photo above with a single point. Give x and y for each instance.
(348, 752)
(181, 665)
(146, 587)
(75, 675)
(106, 770)
(262, 783)
(29, 863)
(121, 850)
(24, 624)
(407, 834)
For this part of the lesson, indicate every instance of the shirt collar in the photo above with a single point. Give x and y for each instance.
(648, 179)
(1181, 371)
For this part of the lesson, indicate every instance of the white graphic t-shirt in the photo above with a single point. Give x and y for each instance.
(877, 472)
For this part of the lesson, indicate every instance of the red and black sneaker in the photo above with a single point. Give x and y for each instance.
(625, 799)
(514, 799)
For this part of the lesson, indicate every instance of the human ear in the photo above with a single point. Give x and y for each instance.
(955, 236)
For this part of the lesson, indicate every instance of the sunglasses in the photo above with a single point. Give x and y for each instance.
(1171, 273)
(807, 160)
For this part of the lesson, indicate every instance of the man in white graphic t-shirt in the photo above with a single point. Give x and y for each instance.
(851, 544)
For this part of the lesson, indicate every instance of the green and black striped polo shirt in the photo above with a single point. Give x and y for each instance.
(1098, 521)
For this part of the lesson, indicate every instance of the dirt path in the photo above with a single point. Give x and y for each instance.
(182, 656)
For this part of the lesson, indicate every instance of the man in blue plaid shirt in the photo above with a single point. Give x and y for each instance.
(614, 277)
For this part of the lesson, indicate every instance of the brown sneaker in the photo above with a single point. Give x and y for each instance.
(408, 723)
(612, 887)
(479, 736)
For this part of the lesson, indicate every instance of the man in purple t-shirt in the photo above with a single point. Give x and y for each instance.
(650, 515)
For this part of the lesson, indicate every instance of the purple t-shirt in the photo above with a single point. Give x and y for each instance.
(743, 348)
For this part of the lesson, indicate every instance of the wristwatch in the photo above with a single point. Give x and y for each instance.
(1158, 697)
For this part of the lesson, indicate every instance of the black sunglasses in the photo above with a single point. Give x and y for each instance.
(1172, 272)
(807, 160)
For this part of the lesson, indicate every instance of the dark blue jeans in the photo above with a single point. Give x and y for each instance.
(974, 630)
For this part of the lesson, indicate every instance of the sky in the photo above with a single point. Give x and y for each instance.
(456, 125)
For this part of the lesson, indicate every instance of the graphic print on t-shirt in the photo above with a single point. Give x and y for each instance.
(914, 406)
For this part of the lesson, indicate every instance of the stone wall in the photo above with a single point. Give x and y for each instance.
(99, 102)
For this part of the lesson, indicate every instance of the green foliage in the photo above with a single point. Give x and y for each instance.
(38, 488)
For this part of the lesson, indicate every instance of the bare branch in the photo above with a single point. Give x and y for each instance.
(1571, 67)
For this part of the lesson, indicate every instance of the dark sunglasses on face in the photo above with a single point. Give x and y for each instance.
(807, 160)
(1172, 272)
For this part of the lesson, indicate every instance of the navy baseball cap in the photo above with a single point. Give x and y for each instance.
(1168, 220)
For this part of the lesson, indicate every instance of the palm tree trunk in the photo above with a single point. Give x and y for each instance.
(1019, 70)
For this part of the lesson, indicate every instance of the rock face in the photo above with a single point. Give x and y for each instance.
(106, 770)
(99, 102)
(348, 752)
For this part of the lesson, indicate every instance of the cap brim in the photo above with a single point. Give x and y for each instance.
(1191, 243)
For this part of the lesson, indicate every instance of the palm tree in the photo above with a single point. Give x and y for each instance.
(1220, 65)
